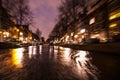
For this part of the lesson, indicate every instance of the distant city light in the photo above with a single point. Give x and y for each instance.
(82, 30)
(114, 16)
(67, 38)
(92, 21)
(21, 33)
(72, 34)
(113, 25)
(76, 36)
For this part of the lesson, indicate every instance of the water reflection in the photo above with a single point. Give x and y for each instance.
(80, 62)
(17, 57)
(34, 50)
(84, 66)
(40, 49)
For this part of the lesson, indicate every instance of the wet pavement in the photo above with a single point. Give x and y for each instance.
(57, 63)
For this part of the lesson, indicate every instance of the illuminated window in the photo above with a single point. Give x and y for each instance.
(116, 15)
(113, 25)
(92, 21)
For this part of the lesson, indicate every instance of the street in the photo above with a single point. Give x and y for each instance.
(56, 63)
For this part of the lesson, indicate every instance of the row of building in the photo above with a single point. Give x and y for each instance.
(100, 21)
(10, 32)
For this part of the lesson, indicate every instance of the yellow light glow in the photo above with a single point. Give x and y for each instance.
(0, 32)
(6, 34)
(76, 36)
(113, 25)
(17, 57)
(14, 36)
(114, 16)
(17, 30)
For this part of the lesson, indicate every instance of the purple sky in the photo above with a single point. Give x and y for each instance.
(45, 15)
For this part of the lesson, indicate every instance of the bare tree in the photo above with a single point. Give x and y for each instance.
(19, 9)
(70, 11)
(38, 33)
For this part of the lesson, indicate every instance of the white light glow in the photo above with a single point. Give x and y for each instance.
(92, 21)
(82, 31)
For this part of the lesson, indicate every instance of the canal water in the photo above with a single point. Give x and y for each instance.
(57, 63)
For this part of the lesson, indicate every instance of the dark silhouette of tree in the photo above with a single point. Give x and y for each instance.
(69, 15)
(5, 18)
(19, 9)
(43, 39)
(38, 33)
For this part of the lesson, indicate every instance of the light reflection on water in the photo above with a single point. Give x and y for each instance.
(84, 66)
(17, 57)
(34, 50)
(80, 63)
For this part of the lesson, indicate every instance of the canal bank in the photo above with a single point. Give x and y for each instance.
(99, 47)
(8, 45)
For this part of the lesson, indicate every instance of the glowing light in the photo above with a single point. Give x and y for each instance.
(21, 33)
(40, 49)
(17, 30)
(76, 36)
(95, 36)
(112, 25)
(92, 21)
(34, 50)
(67, 38)
(66, 55)
(6, 34)
(0, 32)
(17, 57)
(84, 65)
(82, 31)
(114, 16)
(30, 51)
(21, 38)
(72, 34)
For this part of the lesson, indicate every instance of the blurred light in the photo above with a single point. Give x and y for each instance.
(72, 34)
(6, 34)
(30, 51)
(66, 55)
(84, 65)
(67, 38)
(40, 49)
(21, 38)
(30, 38)
(82, 31)
(21, 33)
(17, 57)
(95, 36)
(113, 25)
(0, 32)
(92, 21)
(76, 36)
(34, 50)
(114, 16)
(17, 30)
